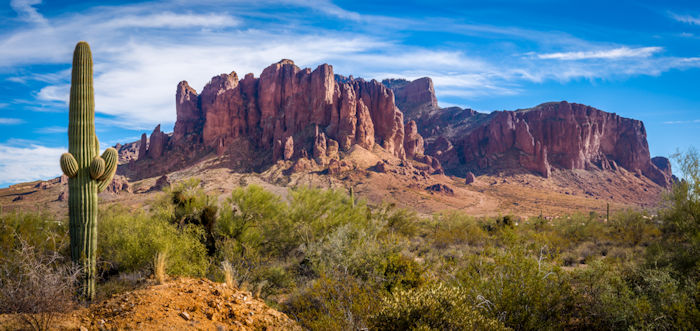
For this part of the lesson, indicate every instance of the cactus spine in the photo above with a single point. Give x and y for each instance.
(88, 173)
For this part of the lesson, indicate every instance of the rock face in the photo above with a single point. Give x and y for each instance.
(552, 135)
(288, 112)
(413, 142)
(281, 109)
(413, 98)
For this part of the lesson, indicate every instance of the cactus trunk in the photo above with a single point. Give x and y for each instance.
(92, 174)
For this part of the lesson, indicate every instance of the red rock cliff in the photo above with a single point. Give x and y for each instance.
(552, 135)
(288, 111)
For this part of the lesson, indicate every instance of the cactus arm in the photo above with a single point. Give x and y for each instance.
(97, 167)
(110, 157)
(69, 165)
(97, 146)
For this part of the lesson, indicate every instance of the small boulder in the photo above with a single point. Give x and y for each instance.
(470, 178)
(440, 188)
(161, 183)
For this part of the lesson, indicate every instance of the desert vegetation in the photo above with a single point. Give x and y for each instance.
(330, 261)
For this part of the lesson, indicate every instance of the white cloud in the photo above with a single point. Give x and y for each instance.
(10, 121)
(682, 122)
(55, 93)
(27, 12)
(172, 20)
(23, 164)
(615, 53)
(52, 130)
(689, 19)
(136, 73)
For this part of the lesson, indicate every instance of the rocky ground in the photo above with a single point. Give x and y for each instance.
(181, 304)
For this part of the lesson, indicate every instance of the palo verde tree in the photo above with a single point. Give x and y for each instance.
(88, 173)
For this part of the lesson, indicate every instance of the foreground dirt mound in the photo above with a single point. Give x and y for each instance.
(186, 304)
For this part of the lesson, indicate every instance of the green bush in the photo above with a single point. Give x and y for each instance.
(186, 204)
(437, 307)
(455, 228)
(39, 230)
(128, 241)
(633, 228)
(525, 291)
(333, 302)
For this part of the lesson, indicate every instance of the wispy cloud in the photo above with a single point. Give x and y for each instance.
(10, 121)
(51, 130)
(26, 11)
(172, 20)
(682, 122)
(688, 19)
(609, 54)
(22, 164)
(136, 73)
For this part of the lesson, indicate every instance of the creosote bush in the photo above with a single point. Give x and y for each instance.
(437, 307)
(129, 241)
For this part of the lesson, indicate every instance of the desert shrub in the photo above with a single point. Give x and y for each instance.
(604, 299)
(276, 278)
(455, 228)
(525, 290)
(41, 231)
(632, 228)
(397, 221)
(612, 296)
(578, 228)
(128, 241)
(665, 304)
(349, 249)
(254, 219)
(679, 246)
(401, 272)
(186, 204)
(36, 285)
(333, 302)
(315, 213)
(436, 307)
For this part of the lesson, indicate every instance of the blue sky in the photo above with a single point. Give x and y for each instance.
(640, 59)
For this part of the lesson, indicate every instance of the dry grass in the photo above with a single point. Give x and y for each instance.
(160, 266)
(228, 274)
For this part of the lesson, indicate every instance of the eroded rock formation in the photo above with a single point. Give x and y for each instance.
(288, 112)
(558, 135)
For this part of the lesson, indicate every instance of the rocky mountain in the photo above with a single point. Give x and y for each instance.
(287, 113)
(314, 118)
(555, 135)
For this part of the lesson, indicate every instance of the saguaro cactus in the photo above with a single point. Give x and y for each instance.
(88, 173)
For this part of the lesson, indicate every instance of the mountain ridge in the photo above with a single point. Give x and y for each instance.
(314, 118)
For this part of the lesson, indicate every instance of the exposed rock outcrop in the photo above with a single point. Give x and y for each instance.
(413, 142)
(552, 135)
(414, 98)
(161, 183)
(118, 185)
(469, 178)
(288, 112)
